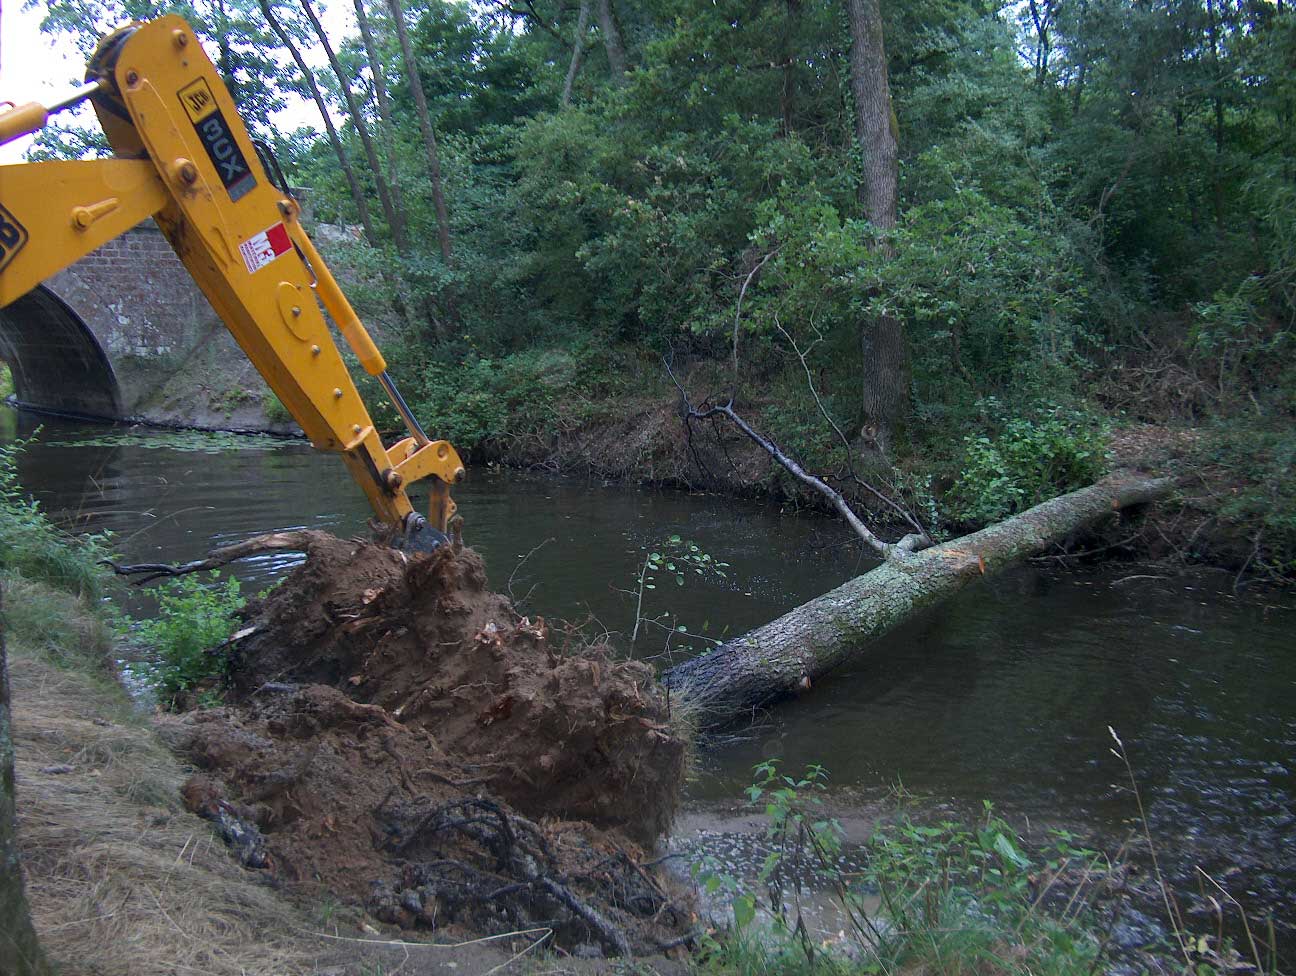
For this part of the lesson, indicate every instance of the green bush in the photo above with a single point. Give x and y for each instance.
(480, 400)
(195, 617)
(931, 897)
(1029, 461)
(33, 547)
(1262, 500)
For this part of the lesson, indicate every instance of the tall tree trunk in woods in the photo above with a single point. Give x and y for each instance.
(1041, 16)
(884, 350)
(578, 51)
(394, 220)
(20, 951)
(612, 41)
(224, 52)
(787, 94)
(383, 103)
(786, 657)
(1213, 31)
(425, 126)
(344, 161)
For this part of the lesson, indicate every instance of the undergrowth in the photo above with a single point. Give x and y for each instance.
(944, 898)
(1029, 460)
(34, 547)
(187, 637)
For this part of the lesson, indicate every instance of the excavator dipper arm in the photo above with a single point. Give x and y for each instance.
(184, 157)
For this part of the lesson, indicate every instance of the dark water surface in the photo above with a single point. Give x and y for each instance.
(1005, 694)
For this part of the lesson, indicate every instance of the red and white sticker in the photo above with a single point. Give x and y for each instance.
(260, 250)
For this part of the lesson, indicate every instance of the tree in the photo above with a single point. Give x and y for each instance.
(395, 220)
(578, 50)
(344, 161)
(382, 102)
(612, 41)
(885, 353)
(425, 127)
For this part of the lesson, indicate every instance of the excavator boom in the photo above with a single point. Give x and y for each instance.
(184, 157)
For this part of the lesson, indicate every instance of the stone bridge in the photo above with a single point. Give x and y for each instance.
(125, 333)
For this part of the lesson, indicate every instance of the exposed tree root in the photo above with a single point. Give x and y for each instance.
(504, 871)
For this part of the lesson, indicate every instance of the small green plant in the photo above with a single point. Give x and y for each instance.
(1029, 461)
(941, 898)
(195, 618)
(678, 560)
(274, 410)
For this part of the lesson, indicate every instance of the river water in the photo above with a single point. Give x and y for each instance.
(1004, 694)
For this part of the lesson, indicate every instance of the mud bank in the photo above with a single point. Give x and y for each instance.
(399, 736)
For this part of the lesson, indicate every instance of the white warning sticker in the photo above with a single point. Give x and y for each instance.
(260, 250)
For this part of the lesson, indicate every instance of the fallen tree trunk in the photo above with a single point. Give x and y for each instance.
(786, 656)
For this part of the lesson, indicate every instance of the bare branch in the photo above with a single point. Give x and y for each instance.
(846, 447)
(889, 552)
(733, 392)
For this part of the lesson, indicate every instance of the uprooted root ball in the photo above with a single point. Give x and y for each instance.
(395, 724)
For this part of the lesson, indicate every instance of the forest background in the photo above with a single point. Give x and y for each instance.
(993, 243)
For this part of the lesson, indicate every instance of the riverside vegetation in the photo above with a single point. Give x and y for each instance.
(1058, 219)
(933, 895)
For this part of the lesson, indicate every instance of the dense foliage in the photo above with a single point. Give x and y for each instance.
(1096, 207)
(195, 618)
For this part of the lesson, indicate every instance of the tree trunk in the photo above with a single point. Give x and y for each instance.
(787, 656)
(787, 93)
(362, 130)
(383, 104)
(425, 126)
(616, 54)
(357, 194)
(578, 50)
(883, 347)
(20, 951)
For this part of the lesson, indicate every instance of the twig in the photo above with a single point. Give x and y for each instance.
(891, 553)
(850, 463)
(521, 561)
(1255, 550)
(1172, 914)
(733, 391)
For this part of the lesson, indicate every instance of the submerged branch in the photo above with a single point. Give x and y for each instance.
(295, 541)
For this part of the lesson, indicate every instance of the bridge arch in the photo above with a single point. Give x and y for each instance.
(56, 361)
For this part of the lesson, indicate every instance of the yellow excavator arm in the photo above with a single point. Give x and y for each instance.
(184, 157)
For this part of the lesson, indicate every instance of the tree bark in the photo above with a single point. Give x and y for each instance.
(612, 42)
(785, 657)
(425, 126)
(578, 50)
(883, 348)
(394, 222)
(383, 104)
(344, 161)
(787, 93)
(20, 951)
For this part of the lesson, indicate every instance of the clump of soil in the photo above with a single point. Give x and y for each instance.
(398, 734)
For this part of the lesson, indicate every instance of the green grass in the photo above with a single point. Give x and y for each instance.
(33, 547)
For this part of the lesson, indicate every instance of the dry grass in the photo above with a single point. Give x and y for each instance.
(120, 877)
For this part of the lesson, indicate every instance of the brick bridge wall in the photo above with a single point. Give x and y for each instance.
(125, 332)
